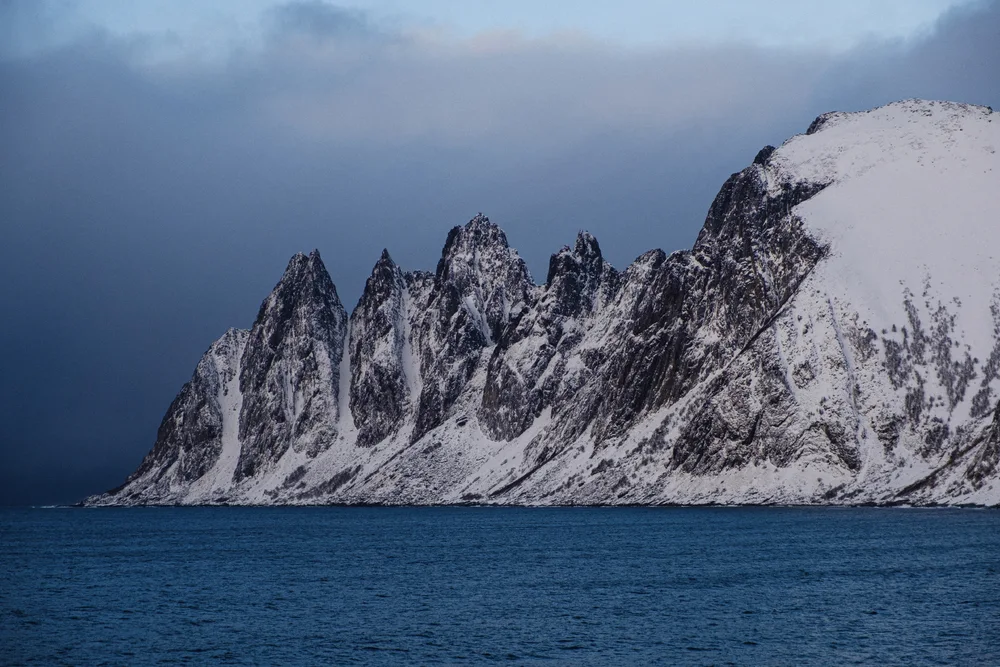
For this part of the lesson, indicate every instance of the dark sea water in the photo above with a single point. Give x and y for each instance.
(314, 586)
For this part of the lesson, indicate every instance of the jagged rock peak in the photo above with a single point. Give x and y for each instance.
(480, 220)
(291, 368)
(301, 257)
(480, 287)
(576, 275)
(586, 244)
(478, 263)
(466, 243)
(195, 428)
(305, 290)
(304, 275)
(378, 383)
(385, 271)
(763, 154)
(385, 277)
(305, 283)
(586, 251)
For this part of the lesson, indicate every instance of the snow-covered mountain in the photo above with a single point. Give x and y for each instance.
(832, 337)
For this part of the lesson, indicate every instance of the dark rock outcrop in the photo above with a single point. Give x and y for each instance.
(378, 338)
(984, 463)
(290, 375)
(190, 438)
(528, 364)
(479, 286)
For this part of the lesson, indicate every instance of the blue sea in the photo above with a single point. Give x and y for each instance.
(375, 586)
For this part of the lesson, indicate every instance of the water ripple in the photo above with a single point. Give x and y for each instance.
(248, 586)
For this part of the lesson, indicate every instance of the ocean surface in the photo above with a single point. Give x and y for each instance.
(314, 586)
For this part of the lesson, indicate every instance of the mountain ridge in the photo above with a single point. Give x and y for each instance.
(826, 340)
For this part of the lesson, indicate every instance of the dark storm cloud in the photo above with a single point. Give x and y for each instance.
(958, 60)
(320, 20)
(148, 203)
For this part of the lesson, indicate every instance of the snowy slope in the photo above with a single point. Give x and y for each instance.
(912, 217)
(832, 337)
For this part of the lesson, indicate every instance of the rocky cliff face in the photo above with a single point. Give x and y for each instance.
(832, 337)
(198, 433)
(527, 369)
(379, 340)
(480, 284)
(290, 370)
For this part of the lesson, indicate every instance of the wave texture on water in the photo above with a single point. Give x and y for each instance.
(247, 586)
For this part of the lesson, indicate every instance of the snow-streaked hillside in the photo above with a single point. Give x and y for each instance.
(832, 337)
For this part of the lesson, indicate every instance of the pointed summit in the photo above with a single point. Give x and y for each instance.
(386, 279)
(481, 284)
(378, 384)
(466, 244)
(484, 231)
(480, 273)
(290, 369)
(302, 275)
(587, 245)
(479, 220)
(383, 273)
(576, 275)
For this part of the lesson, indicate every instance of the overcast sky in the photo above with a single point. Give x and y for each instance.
(160, 161)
